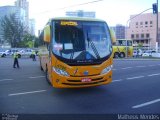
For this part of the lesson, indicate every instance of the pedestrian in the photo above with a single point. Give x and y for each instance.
(15, 56)
(34, 55)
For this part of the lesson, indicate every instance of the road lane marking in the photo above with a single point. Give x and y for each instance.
(127, 68)
(36, 77)
(117, 80)
(5, 80)
(140, 66)
(153, 74)
(151, 65)
(147, 103)
(135, 77)
(24, 93)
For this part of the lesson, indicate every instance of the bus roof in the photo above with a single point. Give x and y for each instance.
(77, 18)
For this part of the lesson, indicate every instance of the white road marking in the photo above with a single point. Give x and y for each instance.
(5, 80)
(31, 92)
(154, 74)
(151, 65)
(147, 103)
(127, 67)
(135, 77)
(117, 80)
(114, 69)
(140, 66)
(36, 77)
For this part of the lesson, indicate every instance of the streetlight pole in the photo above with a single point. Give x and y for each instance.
(157, 40)
(127, 24)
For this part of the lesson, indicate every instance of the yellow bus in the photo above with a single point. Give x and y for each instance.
(77, 52)
(119, 48)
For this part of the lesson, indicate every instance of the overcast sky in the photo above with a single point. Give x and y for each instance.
(112, 11)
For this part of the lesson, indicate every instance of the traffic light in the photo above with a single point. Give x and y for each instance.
(155, 8)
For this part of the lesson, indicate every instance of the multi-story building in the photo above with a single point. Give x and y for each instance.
(7, 11)
(81, 13)
(25, 5)
(32, 26)
(119, 31)
(143, 30)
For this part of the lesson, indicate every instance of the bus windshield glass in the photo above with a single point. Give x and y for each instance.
(81, 41)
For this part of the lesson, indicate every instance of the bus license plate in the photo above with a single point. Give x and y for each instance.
(86, 80)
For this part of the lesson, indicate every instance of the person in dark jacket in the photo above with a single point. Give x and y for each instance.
(16, 63)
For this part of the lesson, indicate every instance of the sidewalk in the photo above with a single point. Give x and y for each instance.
(138, 58)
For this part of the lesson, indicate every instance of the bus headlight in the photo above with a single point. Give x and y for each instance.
(107, 69)
(60, 71)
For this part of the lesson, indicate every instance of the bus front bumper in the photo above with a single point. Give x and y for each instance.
(59, 81)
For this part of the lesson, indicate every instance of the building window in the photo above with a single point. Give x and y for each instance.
(151, 22)
(137, 35)
(146, 23)
(136, 23)
(142, 35)
(147, 35)
(141, 23)
(132, 36)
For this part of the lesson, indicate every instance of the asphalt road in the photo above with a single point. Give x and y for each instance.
(135, 90)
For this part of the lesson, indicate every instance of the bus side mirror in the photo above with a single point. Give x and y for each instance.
(47, 34)
(113, 36)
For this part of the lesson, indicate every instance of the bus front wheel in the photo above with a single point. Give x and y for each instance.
(116, 55)
(122, 55)
(47, 77)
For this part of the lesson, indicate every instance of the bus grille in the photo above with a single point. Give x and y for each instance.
(79, 83)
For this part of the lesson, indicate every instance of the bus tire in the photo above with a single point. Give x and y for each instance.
(41, 66)
(122, 55)
(47, 77)
(116, 55)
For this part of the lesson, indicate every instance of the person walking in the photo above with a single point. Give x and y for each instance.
(16, 63)
(33, 55)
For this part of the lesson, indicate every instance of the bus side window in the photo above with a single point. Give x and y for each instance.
(49, 49)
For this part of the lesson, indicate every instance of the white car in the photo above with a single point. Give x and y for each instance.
(148, 53)
(4, 53)
(26, 52)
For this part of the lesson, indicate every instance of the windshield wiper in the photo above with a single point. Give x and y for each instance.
(93, 46)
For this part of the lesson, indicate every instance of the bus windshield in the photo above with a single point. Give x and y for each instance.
(81, 41)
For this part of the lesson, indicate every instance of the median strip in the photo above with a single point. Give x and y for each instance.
(146, 104)
(24, 93)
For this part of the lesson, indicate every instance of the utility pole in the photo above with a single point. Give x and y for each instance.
(157, 40)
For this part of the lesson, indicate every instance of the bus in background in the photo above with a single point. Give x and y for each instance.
(119, 48)
(77, 52)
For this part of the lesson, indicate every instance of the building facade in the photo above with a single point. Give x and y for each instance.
(119, 31)
(81, 13)
(143, 30)
(32, 26)
(25, 5)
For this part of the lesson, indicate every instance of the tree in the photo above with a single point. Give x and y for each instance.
(13, 30)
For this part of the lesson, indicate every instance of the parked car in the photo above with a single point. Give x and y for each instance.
(26, 52)
(4, 53)
(148, 53)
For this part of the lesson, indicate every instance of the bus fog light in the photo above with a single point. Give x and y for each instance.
(57, 80)
(107, 69)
